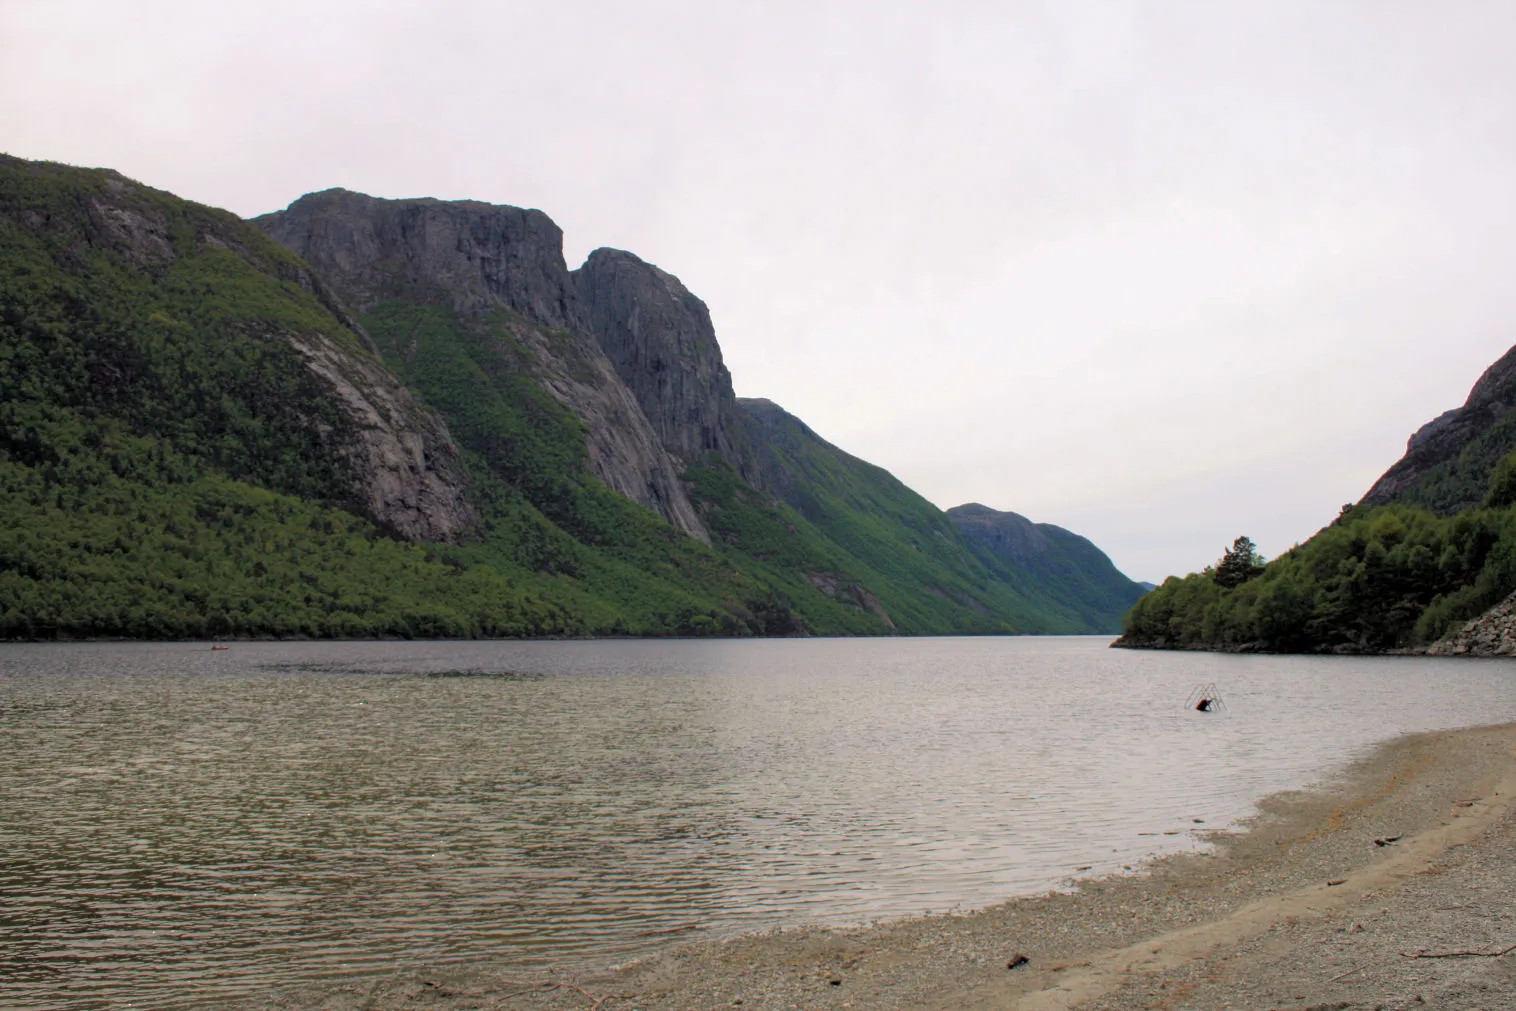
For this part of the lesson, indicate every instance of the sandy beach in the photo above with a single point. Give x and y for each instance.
(1390, 885)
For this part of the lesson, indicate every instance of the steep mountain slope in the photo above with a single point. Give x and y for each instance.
(1449, 460)
(474, 307)
(426, 427)
(1063, 565)
(466, 262)
(843, 543)
(888, 541)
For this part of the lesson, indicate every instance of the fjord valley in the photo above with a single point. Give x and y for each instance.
(361, 417)
(1430, 548)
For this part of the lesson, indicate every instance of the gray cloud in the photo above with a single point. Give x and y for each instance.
(1162, 273)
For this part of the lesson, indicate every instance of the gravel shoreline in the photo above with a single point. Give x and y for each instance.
(1390, 886)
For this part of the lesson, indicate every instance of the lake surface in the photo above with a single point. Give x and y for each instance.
(179, 825)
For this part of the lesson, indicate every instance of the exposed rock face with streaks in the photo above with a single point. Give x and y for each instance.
(410, 478)
(403, 463)
(623, 450)
(478, 259)
(661, 341)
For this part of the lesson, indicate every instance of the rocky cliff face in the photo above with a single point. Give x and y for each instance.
(660, 339)
(1448, 460)
(478, 259)
(623, 449)
(470, 255)
(409, 475)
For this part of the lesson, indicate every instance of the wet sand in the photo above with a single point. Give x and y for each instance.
(1310, 905)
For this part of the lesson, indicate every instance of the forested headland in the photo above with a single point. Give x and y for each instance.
(1379, 578)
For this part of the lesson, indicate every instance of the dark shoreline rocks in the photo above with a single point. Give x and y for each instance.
(1493, 633)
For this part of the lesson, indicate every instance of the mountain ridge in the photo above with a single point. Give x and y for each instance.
(1068, 567)
(508, 447)
(477, 258)
(660, 341)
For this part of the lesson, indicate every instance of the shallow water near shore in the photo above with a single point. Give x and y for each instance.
(179, 825)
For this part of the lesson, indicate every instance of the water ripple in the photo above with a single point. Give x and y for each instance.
(178, 826)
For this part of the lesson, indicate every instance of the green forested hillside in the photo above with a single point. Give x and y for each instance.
(1062, 565)
(1392, 577)
(155, 331)
(168, 465)
(86, 551)
(197, 439)
(1431, 545)
(863, 528)
(171, 467)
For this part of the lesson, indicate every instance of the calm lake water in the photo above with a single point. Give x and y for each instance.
(179, 825)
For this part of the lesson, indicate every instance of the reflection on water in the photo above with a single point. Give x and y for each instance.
(177, 822)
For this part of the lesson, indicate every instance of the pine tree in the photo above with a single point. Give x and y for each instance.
(1240, 563)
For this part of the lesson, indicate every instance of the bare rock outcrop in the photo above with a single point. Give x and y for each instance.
(623, 450)
(660, 339)
(1493, 633)
(137, 231)
(478, 258)
(407, 468)
(841, 587)
(471, 255)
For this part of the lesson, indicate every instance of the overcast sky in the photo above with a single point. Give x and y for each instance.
(1161, 273)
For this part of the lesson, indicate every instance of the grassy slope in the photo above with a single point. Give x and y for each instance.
(1072, 571)
(850, 517)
